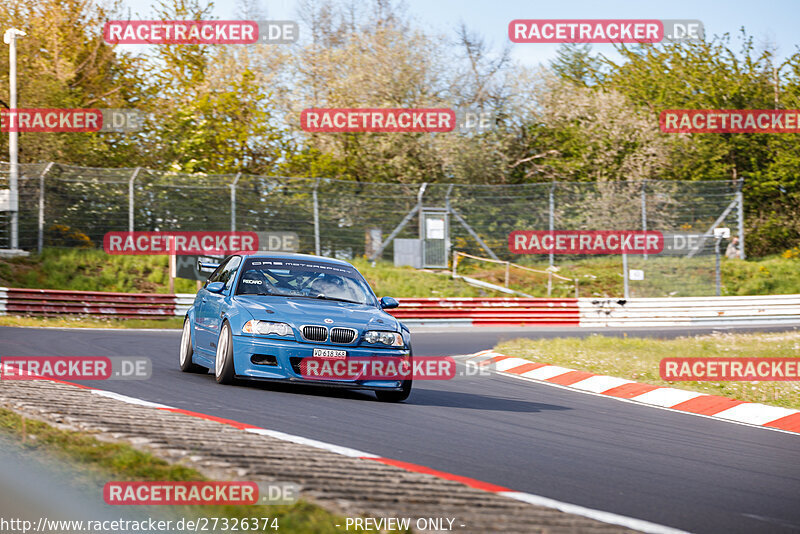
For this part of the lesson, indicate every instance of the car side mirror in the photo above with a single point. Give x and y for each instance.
(215, 287)
(387, 303)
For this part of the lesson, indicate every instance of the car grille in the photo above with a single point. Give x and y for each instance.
(315, 333)
(342, 335)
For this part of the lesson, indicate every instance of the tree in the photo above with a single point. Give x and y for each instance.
(575, 63)
(63, 62)
(213, 112)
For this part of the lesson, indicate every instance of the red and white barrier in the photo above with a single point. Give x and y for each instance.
(52, 302)
(584, 312)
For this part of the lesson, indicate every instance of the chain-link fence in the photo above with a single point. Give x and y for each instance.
(64, 205)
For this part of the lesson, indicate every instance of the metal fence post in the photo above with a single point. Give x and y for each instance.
(740, 216)
(10, 38)
(644, 208)
(233, 200)
(552, 216)
(40, 236)
(625, 276)
(316, 218)
(130, 197)
(717, 267)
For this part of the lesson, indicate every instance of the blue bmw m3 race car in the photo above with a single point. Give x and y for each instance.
(261, 315)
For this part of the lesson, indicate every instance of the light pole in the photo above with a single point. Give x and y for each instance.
(10, 38)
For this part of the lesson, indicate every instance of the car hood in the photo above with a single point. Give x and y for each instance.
(301, 311)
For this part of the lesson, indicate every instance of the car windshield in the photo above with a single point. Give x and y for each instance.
(303, 279)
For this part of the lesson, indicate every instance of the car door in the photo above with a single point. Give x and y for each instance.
(202, 319)
(213, 307)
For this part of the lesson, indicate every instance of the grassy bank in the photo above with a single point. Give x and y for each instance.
(93, 270)
(99, 461)
(638, 359)
(664, 276)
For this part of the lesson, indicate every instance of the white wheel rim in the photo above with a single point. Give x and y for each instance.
(185, 341)
(222, 350)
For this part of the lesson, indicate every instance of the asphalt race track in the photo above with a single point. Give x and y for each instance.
(680, 470)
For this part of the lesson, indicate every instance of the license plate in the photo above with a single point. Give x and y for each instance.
(330, 353)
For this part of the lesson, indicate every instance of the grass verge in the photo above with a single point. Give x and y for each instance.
(638, 359)
(102, 461)
(90, 322)
(94, 270)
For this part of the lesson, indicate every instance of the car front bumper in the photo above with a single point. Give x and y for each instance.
(287, 354)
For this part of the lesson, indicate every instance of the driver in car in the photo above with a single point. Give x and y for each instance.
(331, 286)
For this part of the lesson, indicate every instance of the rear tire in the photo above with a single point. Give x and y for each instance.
(223, 369)
(186, 352)
(397, 396)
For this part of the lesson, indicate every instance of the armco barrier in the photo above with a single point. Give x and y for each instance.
(475, 312)
(684, 311)
(48, 302)
(489, 311)
(585, 312)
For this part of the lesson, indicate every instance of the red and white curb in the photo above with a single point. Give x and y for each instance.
(724, 408)
(537, 500)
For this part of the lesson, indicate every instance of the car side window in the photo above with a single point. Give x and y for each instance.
(228, 274)
(215, 276)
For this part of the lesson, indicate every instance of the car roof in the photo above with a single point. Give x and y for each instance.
(288, 256)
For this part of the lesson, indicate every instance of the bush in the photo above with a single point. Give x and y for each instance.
(61, 235)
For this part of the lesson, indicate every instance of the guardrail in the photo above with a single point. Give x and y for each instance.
(489, 311)
(585, 312)
(19, 301)
(683, 311)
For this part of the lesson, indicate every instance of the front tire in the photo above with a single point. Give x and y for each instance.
(223, 368)
(397, 396)
(186, 352)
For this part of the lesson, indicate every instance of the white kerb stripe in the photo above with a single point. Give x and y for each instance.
(481, 359)
(666, 397)
(509, 363)
(600, 383)
(129, 400)
(755, 414)
(548, 371)
(344, 451)
(599, 515)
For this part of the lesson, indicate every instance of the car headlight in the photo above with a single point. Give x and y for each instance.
(265, 327)
(392, 339)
